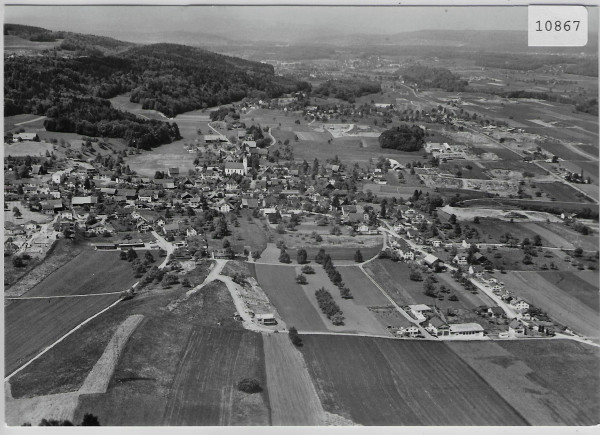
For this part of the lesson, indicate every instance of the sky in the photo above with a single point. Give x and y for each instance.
(266, 22)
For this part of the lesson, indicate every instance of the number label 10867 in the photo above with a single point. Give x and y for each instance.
(557, 26)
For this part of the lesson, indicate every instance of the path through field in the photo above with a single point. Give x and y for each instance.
(62, 406)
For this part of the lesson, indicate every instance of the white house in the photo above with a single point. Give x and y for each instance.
(418, 310)
(519, 304)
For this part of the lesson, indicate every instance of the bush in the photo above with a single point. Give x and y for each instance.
(284, 257)
(308, 270)
(294, 337)
(345, 293)
(301, 279)
(249, 385)
(415, 275)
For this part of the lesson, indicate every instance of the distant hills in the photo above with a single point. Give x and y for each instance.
(72, 86)
(506, 41)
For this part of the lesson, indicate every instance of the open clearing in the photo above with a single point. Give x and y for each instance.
(204, 391)
(563, 306)
(550, 382)
(279, 283)
(397, 382)
(27, 148)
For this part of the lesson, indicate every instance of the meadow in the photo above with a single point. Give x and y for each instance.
(391, 382)
(561, 305)
(550, 382)
(279, 283)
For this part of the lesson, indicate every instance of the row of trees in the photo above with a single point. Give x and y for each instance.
(329, 307)
(334, 275)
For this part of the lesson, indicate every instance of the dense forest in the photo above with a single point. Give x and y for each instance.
(73, 90)
(428, 77)
(347, 90)
(403, 138)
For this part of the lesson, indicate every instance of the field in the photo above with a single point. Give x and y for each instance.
(292, 394)
(576, 285)
(88, 273)
(122, 102)
(571, 207)
(350, 149)
(144, 378)
(161, 159)
(213, 362)
(357, 317)
(391, 382)
(475, 172)
(174, 154)
(279, 283)
(561, 192)
(394, 279)
(550, 382)
(589, 242)
(26, 148)
(364, 291)
(561, 305)
(33, 324)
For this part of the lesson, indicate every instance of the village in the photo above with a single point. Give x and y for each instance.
(190, 215)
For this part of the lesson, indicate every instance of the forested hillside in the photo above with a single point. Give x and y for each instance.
(73, 90)
(346, 89)
(428, 77)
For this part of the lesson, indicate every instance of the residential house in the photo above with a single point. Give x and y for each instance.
(438, 328)
(519, 304)
(495, 312)
(516, 328)
(460, 259)
(476, 270)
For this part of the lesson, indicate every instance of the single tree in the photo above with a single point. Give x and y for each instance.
(302, 256)
(284, 257)
(358, 258)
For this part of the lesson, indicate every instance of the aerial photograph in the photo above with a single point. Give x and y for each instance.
(299, 216)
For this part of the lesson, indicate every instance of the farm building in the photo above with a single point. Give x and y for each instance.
(214, 138)
(32, 137)
(466, 329)
(105, 246)
(432, 261)
(266, 319)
